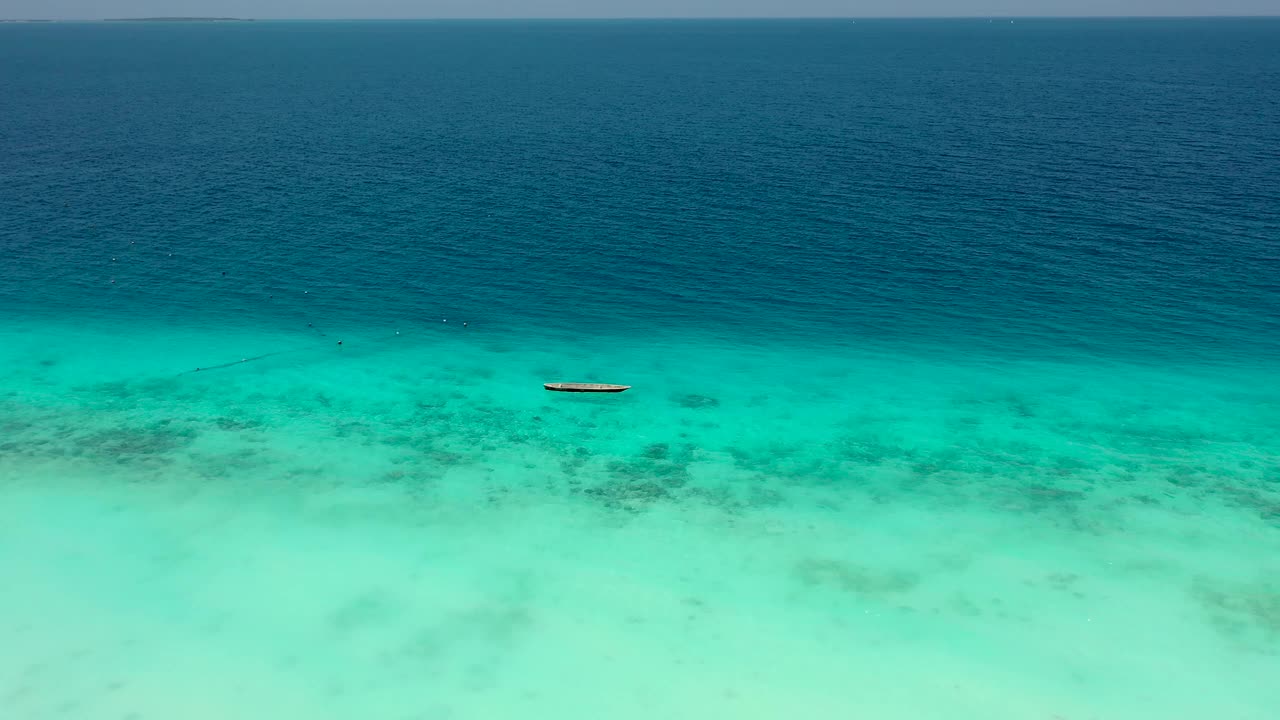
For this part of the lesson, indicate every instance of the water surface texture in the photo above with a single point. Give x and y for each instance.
(954, 348)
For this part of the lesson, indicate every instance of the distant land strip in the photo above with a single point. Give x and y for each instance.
(180, 19)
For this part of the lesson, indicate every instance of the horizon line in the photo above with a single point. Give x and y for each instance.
(675, 18)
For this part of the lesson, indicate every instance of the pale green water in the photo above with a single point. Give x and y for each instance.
(409, 527)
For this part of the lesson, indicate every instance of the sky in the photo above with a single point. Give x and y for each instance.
(321, 9)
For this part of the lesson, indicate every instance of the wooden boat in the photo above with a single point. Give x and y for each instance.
(585, 387)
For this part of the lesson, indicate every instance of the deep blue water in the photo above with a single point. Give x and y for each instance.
(1048, 187)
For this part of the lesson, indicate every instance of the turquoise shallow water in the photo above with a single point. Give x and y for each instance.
(412, 528)
(953, 351)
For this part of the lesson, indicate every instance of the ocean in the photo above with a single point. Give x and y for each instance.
(954, 349)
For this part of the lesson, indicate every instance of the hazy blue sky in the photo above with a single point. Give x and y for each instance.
(622, 8)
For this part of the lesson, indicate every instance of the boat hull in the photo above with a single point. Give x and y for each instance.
(585, 387)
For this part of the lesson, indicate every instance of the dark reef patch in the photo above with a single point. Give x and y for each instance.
(1266, 505)
(236, 424)
(669, 474)
(694, 401)
(621, 494)
(1246, 614)
(855, 579)
(657, 451)
(867, 449)
(129, 443)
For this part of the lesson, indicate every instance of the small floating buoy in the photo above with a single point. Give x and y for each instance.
(113, 259)
(339, 342)
(444, 320)
(464, 324)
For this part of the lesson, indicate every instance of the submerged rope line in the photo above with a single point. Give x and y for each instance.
(242, 361)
